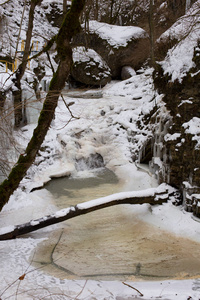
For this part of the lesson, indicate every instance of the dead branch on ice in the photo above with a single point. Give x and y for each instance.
(151, 196)
(133, 288)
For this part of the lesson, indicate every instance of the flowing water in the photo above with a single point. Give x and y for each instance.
(111, 243)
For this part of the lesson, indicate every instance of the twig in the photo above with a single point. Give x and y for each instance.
(81, 290)
(133, 288)
(23, 276)
(20, 28)
(68, 108)
(45, 48)
(49, 59)
(4, 2)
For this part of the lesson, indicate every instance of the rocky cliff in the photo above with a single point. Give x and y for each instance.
(174, 149)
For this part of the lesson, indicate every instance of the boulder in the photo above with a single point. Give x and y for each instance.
(54, 11)
(127, 72)
(89, 68)
(118, 45)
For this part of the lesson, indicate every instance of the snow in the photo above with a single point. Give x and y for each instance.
(85, 55)
(172, 137)
(185, 101)
(81, 54)
(112, 136)
(179, 222)
(94, 134)
(157, 161)
(193, 127)
(58, 1)
(124, 195)
(34, 223)
(62, 213)
(5, 79)
(178, 60)
(6, 229)
(116, 36)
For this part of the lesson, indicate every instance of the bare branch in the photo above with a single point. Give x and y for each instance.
(5, 2)
(133, 288)
(49, 59)
(152, 196)
(67, 105)
(20, 28)
(45, 48)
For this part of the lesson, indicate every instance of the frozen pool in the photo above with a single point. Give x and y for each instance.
(111, 243)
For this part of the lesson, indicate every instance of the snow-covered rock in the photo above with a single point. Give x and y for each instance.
(118, 45)
(127, 72)
(89, 68)
(180, 40)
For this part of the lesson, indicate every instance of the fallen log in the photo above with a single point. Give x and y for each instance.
(152, 196)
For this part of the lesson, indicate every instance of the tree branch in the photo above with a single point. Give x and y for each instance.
(133, 288)
(152, 196)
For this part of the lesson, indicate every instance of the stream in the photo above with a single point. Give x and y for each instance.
(111, 244)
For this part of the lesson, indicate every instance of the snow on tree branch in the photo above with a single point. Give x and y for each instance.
(152, 196)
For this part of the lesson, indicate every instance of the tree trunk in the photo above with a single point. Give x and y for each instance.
(111, 11)
(64, 7)
(2, 100)
(152, 196)
(69, 27)
(96, 10)
(151, 29)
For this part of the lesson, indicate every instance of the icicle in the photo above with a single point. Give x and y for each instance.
(187, 5)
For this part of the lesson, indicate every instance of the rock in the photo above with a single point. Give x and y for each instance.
(54, 12)
(127, 72)
(103, 112)
(92, 162)
(89, 68)
(89, 94)
(118, 45)
(181, 143)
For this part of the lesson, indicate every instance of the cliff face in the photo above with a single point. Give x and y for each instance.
(176, 140)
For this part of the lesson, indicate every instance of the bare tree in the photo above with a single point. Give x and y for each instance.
(69, 28)
(17, 93)
(64, 7)
(111, 10)
(151, 31)
(96, 10)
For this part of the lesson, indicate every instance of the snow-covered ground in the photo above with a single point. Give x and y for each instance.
(102, 126)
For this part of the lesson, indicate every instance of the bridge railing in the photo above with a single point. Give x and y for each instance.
(12, 66)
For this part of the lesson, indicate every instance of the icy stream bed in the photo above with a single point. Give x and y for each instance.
(113, 243)
(89, 256)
